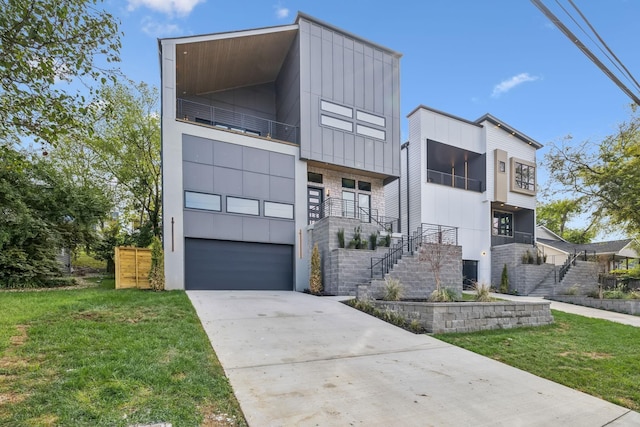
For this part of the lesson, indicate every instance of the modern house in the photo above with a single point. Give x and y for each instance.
(264, 133)
(476, 176)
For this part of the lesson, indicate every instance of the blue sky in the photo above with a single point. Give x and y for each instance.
(465, 57)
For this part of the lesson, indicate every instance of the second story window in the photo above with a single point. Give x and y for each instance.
(523, 177)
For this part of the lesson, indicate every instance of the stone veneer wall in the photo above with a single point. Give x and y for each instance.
(351, 266)
(441, 317)
(618, 305)
(332, 181)
(523, 278)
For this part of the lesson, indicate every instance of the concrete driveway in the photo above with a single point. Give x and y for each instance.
(299, 360)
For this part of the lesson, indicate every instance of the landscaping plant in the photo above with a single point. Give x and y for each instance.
(504, 281)
(392, 289)
(315, 281)
(341, 238)
(156, 274)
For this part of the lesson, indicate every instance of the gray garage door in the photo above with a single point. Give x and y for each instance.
(224, 265)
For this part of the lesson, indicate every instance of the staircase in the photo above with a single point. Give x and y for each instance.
(574, 274)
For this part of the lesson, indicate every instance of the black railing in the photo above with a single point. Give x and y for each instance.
(425, 234)
(335, 207)
(221, 118)
(518, 237)
(456, 181)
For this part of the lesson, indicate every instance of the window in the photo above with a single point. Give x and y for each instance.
(336, 123)
(314, 177)
(370, 118)
(364, 207)
(367, 131)
(207, 202)
(243, 206)
(348, 183)
(364, 186)
(278, 210)
(336, 109)
(523, 176)
(348, 204)
(502, 224)
(502, 167)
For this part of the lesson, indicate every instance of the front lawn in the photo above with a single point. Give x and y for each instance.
(591, 355)
(99, 357)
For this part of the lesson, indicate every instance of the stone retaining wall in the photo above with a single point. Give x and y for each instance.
(618, 305)
(439, 317)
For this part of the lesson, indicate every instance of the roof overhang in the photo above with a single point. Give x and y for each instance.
(509, 129)
(219, 62)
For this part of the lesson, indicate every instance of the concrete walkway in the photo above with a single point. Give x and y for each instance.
(298, 360)
(626, 319)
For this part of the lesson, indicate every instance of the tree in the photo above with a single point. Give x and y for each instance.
(605, 175)
(437, 249)
(557, 213)
(51, 53)
(41, 213)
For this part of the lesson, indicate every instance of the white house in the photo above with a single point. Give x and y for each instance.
(478, 176)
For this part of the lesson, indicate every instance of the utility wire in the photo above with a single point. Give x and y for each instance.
(569, 34)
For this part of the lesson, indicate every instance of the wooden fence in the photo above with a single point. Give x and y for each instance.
(132, 267)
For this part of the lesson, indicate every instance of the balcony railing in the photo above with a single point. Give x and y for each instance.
(239, 122)
(349, 209)
(455, 181)
(518, 237)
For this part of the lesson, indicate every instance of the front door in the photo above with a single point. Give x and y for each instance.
(314, 203)
(364, 207)
(469, 273)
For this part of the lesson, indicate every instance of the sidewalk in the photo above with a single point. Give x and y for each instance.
(595, 313)
(298, 360)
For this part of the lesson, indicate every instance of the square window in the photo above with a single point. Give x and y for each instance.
(502, 167)
(243, 206)
(348, 183)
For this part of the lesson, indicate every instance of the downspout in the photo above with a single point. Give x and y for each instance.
(405, 146)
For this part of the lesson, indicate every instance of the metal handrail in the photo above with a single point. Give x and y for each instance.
(221, 118)
(341, 208)
(455, 181)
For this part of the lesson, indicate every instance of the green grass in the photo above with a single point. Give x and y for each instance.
(595, 356)
(82, 260)
(99, 357)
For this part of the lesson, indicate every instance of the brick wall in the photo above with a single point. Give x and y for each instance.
(471, 316)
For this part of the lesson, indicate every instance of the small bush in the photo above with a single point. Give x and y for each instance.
(392, 289)
(504, 281)
(315, 281)
(482, 292)
(573, 290)
(341, 238)
(444, 295)
(373, 240)
(615, 293)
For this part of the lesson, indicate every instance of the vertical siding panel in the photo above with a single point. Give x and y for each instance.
(379, 87)
(358, 73)
(327, 68)
(369, 87)
(338, 68)
(359, 152)
(348, 72)
(315, 56)
(349, 150)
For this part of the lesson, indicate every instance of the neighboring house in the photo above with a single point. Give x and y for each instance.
(478, 176)
(616, 253)
(264, 132)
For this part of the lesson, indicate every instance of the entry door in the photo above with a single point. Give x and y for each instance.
(348, 204)
(314, 203)
(469, 273)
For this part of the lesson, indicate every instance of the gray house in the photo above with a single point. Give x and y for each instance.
(264, 133)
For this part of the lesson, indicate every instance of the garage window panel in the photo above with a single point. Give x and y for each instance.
(204, 201)
(278, 210)
(243, 206)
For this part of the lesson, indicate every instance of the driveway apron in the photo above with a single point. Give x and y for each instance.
(298, 360)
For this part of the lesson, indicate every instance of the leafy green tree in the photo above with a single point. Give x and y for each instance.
(557, 213)
(51, 54)
(606, 176)
(41, 213)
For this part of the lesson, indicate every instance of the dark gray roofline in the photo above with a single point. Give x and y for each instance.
(225, 32)
(424, 107)
(340, 30)
(521, 136)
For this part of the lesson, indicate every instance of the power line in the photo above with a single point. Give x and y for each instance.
(569, 34)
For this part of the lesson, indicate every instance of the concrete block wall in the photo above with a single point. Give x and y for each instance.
(418, 280)
(523, 278)
(618, 305)
(471, 316)
(583, 277)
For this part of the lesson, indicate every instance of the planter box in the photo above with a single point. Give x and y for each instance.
(627, 306)
(443, 317)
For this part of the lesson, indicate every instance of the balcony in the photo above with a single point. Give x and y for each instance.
(455, 181)
(518, 237)
(221, 118)
(335, 207)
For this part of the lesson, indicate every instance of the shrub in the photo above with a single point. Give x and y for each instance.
(356, 241)
(615, 293)
(373, 240)
(444, 295)
(341, 238)
(156, 274)
(315, 281)
(482, 292)
(573, 290)
(504, 280)
(392, 289)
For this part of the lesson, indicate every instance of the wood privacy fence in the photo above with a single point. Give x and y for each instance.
(132, 267)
